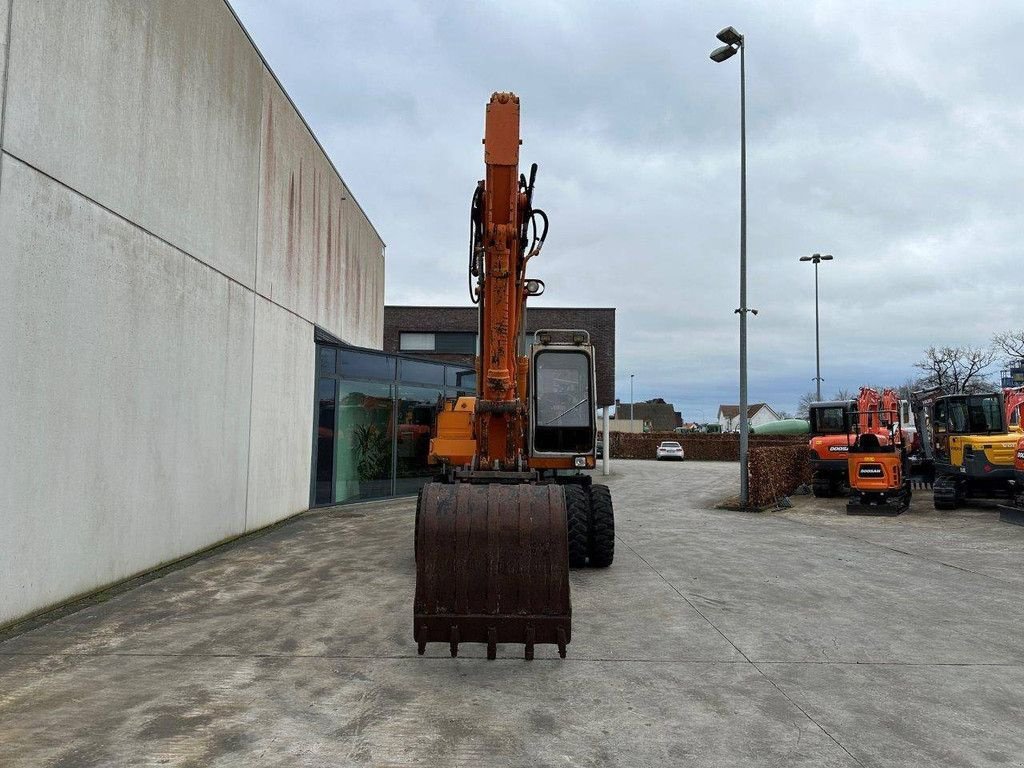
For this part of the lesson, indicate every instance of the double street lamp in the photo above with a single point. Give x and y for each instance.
(817, 258)
(733, 42)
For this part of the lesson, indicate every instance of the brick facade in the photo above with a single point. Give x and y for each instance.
(600, 322)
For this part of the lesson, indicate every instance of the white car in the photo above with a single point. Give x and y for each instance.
(669, 450)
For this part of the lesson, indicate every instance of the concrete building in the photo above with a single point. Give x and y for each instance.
(757, 414)
(171, 234)
(449, 334)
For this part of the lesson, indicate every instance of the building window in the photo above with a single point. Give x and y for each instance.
(373, 415)
(455, 343)
(448, 342)
(416, 342)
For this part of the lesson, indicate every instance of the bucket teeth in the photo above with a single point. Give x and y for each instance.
(454, 640)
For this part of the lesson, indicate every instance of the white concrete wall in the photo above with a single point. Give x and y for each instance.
(5, 9)
(280, 452)
(157, 309)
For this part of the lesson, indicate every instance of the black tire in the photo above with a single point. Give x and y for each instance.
(602, 527)
(577, 518)
(822, 488)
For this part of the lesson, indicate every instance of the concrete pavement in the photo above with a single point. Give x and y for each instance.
(796, 638)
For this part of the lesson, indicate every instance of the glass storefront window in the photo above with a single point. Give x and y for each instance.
(363, 447)
(356, 364)
(327, 361)
(460, 381)
(324, 469)
(421, 372)
(372, 433)
(415, 412)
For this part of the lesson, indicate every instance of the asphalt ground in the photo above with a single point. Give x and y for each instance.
(799, 637)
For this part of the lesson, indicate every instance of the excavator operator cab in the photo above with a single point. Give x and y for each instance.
(562, 418)
(830, 418)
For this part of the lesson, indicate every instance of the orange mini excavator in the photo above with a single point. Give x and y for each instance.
(878, 468)
(511, 509)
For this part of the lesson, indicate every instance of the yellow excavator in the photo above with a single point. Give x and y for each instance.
(511, 509)
(973, 448)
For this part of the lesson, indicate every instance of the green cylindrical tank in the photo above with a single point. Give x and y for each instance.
(783, 427)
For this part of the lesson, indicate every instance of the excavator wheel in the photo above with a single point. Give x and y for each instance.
(602, 527)
(577, 516)
(492, 566)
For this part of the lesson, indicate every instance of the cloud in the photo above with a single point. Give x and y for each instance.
(887, 134)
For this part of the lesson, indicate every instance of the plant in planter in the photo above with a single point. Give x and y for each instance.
(374, 449)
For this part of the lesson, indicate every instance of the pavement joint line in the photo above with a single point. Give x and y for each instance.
(740, 651)
(341, 657)
(685, 598)
(788, 698)
(585, 659)
(893, 549)
(1009, 664)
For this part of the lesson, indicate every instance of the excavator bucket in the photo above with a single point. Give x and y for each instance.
(492, 566)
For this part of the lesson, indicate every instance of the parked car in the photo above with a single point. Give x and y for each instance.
(599, 449)
(669, 450)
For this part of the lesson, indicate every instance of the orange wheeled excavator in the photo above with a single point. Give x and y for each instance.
(511, 509)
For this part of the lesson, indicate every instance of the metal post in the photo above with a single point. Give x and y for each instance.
(744, 426)
(816, 259)
(817, 336)
(734, 42)
(631, 402)
(606, 443)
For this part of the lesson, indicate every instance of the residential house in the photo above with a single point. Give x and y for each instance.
(757, 414)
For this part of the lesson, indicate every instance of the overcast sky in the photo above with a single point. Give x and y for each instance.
(888, 134)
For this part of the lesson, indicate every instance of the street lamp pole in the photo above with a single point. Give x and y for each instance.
(631, 402)
(817, 258)
(734, 42)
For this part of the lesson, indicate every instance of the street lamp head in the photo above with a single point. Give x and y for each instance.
(827, 257)
(721, 54)
(806, 258)
(730, 36)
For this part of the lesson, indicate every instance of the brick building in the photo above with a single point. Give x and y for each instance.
(661, 416)
(449, 334)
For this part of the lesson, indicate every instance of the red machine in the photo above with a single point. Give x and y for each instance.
(829, 445)
(1014, 407)
(1014, 512)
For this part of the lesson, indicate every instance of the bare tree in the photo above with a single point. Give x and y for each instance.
(956, 369)
(1010, 343)
(844, 394)
(803, 408)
